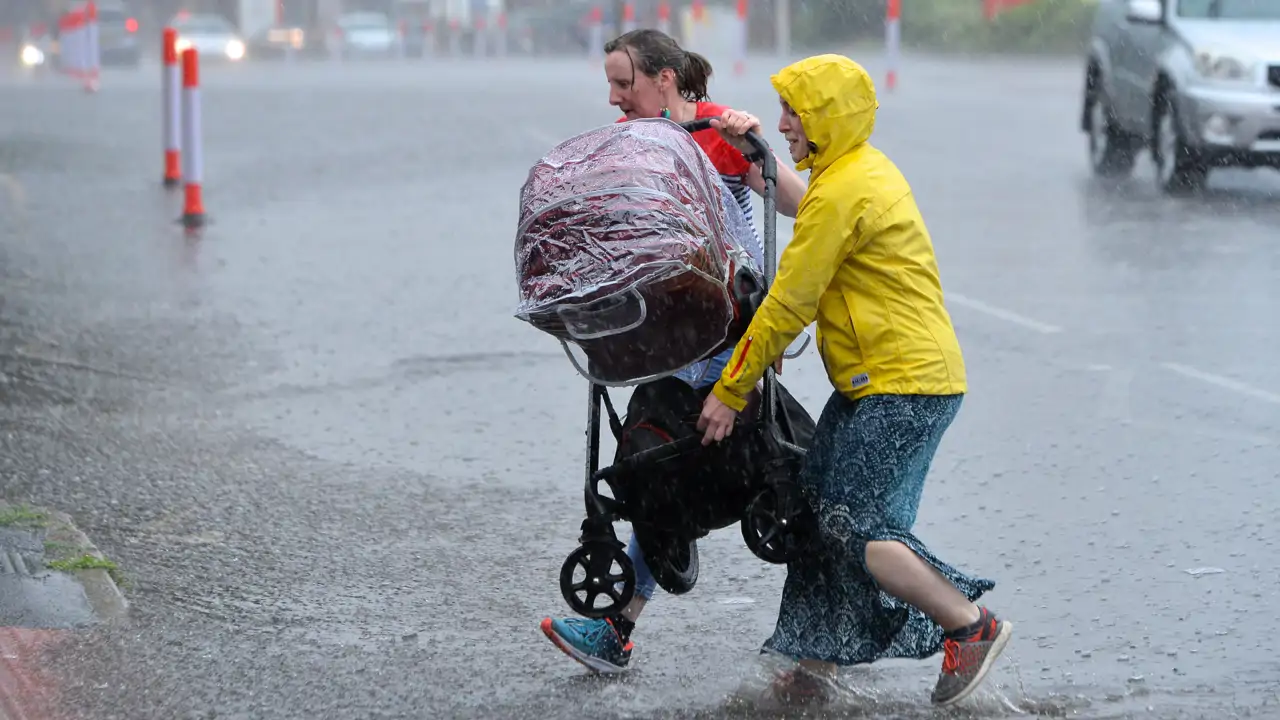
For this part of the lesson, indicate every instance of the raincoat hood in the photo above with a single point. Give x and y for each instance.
(836, 102)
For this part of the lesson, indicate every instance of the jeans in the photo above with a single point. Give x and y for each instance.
(645, 584)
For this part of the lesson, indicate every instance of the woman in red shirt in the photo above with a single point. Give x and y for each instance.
(651, 76)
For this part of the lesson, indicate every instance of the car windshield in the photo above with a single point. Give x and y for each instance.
(202, 24)
(1230, 9)
(364, 22)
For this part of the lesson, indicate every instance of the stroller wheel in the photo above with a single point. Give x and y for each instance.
(673, 562)
(606, 571)
(777, 523)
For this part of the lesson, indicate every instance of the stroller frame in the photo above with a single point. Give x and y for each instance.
(777, 522)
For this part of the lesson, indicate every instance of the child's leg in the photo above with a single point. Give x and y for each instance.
(645, 584)
(605, 645)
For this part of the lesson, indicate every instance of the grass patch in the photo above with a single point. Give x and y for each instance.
(54, 547)
(23, 516)
(87, 562)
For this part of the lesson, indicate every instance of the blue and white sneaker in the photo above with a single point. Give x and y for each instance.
(594, 643)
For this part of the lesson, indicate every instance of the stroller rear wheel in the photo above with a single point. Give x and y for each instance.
(597, 560)
(672, 560)
(777, 522)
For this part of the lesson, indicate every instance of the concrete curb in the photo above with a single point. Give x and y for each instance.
(104, 596)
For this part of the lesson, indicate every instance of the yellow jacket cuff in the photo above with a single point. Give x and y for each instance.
(728, 398)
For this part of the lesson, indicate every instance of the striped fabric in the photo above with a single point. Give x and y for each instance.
(742, 193)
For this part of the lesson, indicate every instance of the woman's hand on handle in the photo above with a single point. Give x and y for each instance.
(716, 420)
(733, 126)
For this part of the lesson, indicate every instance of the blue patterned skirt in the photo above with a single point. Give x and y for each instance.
(864, 475)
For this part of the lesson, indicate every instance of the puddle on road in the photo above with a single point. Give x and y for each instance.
(48, 600)
(862, 692)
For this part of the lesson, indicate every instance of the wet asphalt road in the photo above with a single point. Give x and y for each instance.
(341, 478)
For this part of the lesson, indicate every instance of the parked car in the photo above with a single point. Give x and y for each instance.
(118, 36)
(283, 40)
(214, 38)
(366, 34)
(1196, 82)
(118, 43)
(38, 53)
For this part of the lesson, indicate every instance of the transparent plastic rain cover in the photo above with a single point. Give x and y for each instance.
(626, 246)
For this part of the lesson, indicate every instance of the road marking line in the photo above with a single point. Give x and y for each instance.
(1223, 382)
(1006, 315)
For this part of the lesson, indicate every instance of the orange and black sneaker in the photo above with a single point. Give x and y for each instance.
(968, 654)
(597, 644)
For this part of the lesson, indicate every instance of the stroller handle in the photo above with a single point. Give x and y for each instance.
(769, 171)
(761, 154)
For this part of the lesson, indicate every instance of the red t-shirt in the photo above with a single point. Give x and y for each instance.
(727, 159)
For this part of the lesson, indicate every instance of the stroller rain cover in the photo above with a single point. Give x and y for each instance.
(626, 248)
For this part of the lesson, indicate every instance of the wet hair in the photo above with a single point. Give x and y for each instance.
(652, 51)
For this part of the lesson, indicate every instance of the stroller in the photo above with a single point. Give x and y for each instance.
(629, 250)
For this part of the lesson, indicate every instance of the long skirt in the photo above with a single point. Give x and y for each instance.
(864, 477)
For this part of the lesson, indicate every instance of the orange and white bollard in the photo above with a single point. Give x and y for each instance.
(455, 37)
(92, 48)
(170, 81)
(428, 39)
(892, 41)
(480, 46)
(595, 36)
(782, 27)
(697, 16)
(193, 215)
(664, 17)
(501, 39)
(71, 41)
(740, 64)
(628, 16)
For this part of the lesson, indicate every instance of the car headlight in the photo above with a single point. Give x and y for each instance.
(1223, 67)
(182, 44)
(235, 49)
(31, 56)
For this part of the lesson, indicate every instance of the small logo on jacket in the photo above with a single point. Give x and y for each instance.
(860, 381)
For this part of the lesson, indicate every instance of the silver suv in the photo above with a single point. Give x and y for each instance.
(1195, 81)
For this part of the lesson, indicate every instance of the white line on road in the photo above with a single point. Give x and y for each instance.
(1006, 315)
(1222, 382)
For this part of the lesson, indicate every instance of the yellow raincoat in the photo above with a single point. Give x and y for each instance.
(860, 260)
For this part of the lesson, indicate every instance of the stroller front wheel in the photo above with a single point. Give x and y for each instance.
(606, 571)
(778, 523)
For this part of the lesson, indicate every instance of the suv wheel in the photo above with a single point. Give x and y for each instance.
(1112, 151)
(1179, 168)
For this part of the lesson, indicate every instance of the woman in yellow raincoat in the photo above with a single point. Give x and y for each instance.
(861, 263)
